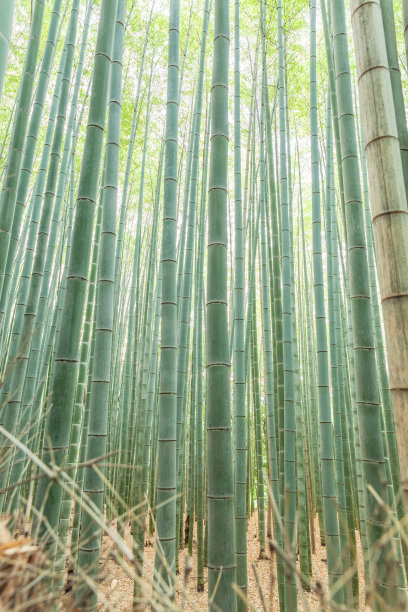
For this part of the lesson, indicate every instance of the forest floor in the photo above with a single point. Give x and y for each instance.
(116, 584)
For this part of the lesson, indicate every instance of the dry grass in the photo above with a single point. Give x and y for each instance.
(25, 575)
(22, 564)
(116, 586)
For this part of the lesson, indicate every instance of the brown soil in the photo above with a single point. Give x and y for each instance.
(116, 585)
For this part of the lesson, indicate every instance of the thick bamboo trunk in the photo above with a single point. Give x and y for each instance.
(220, 486)
(388, 205)
(166, 446)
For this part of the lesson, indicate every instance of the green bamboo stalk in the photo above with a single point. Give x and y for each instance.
(66, 353)
(31, 380)
(31, 285)
(388, 203)
(18, 135)
(288, 494)
(404, 6)
(90, 541)
(166, 447)
(6, 26)
(258, 427)
(367, 393)
(220, 488)
(133, 129)
(387, 12)
(200, 398)
(30, 146)
(84, 386)
(325, 419)
(268, 369)
(239, 338)
(344, 527)
(184, 300)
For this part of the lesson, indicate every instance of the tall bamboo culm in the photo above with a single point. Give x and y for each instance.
(220, 486)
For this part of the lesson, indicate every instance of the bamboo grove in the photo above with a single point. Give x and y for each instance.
(204, 298)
